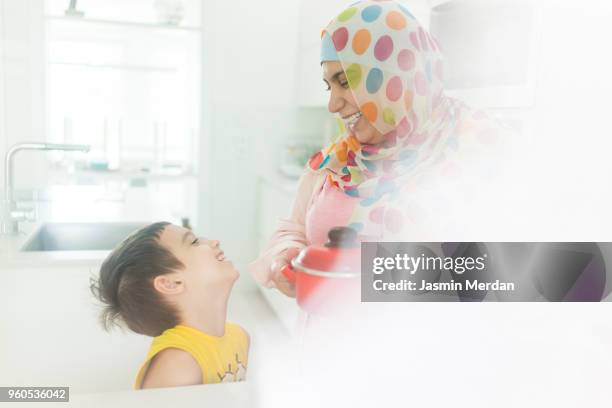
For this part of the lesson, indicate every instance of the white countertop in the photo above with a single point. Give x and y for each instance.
(226, 395)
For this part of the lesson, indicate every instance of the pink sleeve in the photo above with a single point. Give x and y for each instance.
(290, 232)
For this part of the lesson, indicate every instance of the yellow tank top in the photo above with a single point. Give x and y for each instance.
(221, 359)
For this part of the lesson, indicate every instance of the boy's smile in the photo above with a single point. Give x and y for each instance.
(205, 265)
(188, 236)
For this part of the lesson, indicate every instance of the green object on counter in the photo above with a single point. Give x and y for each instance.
(138, 182)
(101, 165)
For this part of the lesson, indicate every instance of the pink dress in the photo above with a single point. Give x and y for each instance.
(317, 208)
(330, 208)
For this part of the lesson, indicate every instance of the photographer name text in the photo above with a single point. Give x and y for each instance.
(429, 264)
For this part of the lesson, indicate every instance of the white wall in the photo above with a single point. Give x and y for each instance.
(249, 54)
(22, 85)
(2, 91)
(570, 144)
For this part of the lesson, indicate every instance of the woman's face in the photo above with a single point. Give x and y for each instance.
(342, 101)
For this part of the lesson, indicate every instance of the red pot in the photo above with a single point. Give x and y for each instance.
(327, 278)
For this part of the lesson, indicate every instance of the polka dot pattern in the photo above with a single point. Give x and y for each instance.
(374, 80)
(383, 48)
(406, 60)
(390, 63)
(408, 100)
(347, 14)
(370, 111)
(361, 41)
(396, 20)
(420, 84)
(340, 38)
(394, 71)
(371, 13)
(353, 75)
(315, 161)
(389, 116)
(341, 151)
(394, 88)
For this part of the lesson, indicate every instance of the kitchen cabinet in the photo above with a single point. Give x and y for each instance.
(489, 50)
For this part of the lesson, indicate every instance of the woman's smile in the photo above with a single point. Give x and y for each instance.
(352, 120)
(342, 101)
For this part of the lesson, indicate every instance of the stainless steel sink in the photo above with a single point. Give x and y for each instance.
(79, 236)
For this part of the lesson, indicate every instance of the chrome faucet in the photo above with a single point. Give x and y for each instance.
(11, 217)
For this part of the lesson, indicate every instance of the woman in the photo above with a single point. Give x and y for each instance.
(400, 135)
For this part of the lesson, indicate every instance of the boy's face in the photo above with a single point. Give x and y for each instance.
(205, 266)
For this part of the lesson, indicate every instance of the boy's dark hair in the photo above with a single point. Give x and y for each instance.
(125, 284)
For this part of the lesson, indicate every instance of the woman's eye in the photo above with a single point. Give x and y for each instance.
(196, 241)
(344, 84)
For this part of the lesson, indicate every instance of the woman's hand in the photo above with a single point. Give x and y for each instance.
(282, 283)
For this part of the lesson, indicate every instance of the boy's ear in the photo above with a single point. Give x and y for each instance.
(170, 284)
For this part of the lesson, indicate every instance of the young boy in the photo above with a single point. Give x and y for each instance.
(164, 282)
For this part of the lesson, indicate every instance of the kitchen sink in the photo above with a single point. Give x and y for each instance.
(101, 236)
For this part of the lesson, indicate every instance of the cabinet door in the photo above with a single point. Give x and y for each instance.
(489, 49)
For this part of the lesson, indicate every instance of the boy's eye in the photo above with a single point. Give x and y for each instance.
(344, 84)
(196, 241)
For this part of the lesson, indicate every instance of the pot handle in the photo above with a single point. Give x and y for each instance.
(289, 272)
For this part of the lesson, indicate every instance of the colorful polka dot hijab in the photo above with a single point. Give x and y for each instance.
(394, 70)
